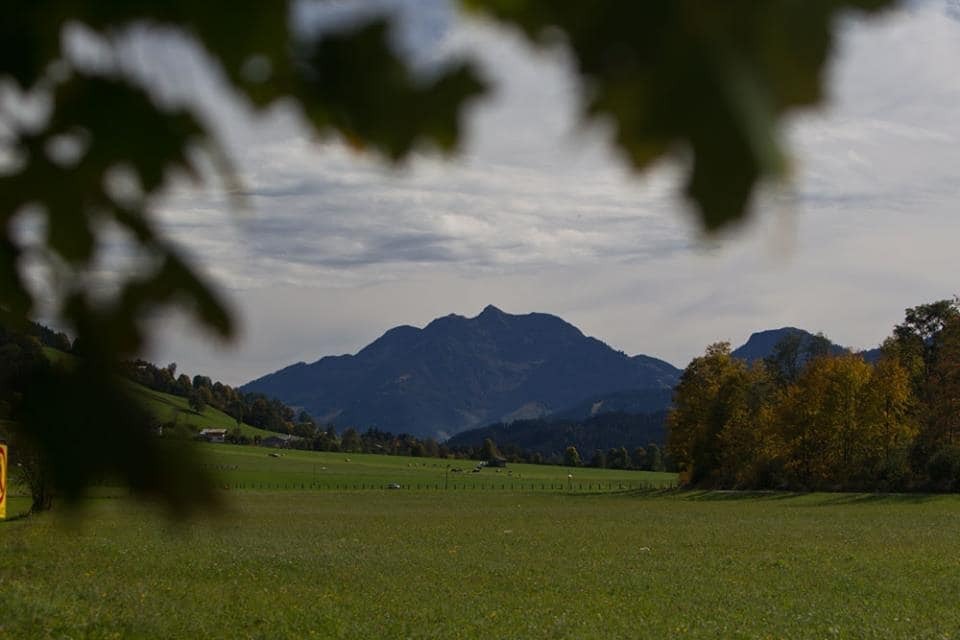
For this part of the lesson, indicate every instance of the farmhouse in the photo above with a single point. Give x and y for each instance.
(213, 435)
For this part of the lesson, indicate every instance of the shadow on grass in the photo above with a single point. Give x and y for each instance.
(731, 494)
(797, 498)
(831, 499)
(20, 516)
(651, 492)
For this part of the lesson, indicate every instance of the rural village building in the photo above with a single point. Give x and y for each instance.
(213, 435)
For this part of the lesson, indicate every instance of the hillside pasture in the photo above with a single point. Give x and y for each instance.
(170, 408)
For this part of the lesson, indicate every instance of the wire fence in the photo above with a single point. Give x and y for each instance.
(110, 489)
(569, 487)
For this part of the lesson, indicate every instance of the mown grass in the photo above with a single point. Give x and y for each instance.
(427, 564)
(244, 467)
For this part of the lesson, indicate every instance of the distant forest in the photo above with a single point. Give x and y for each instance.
(614, 439)
(808, 419)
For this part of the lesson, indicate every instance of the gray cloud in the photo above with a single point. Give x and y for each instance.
(538, 213)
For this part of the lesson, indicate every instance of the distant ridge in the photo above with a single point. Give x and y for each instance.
(457, 373)
(602, 431)
(761, 344)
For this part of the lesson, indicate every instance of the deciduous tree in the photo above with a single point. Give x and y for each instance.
(703, 402)
(489, 450)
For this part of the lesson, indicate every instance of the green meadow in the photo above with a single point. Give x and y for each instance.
(501, 561)
(243, 467)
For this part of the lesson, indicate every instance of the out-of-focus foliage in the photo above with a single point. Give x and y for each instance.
(709, 79)
(62, 441)
(103, 124)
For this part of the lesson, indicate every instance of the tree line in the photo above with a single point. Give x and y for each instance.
(807, 419)
(649, 458)
(255, 409)
(607, 440)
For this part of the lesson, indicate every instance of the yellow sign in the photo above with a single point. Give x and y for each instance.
(3, 481)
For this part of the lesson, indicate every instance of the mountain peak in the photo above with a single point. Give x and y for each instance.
(491, 311)
(782, 331)
(763, 343)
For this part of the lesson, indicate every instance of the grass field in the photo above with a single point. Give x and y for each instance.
(242, 467)
(483, 563)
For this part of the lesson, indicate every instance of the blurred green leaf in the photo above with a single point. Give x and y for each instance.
(125, 128)
(237, 35)
(29, 40)
(15, 300)
(353, 82)
(710, 78)
(90, 428)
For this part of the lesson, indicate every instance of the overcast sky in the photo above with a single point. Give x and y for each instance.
(538, 213)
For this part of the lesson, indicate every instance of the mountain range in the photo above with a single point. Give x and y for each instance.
(459, 373)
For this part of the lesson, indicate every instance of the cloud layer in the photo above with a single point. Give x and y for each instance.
(538, 214)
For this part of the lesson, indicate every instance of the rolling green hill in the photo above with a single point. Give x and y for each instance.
(170, 408)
